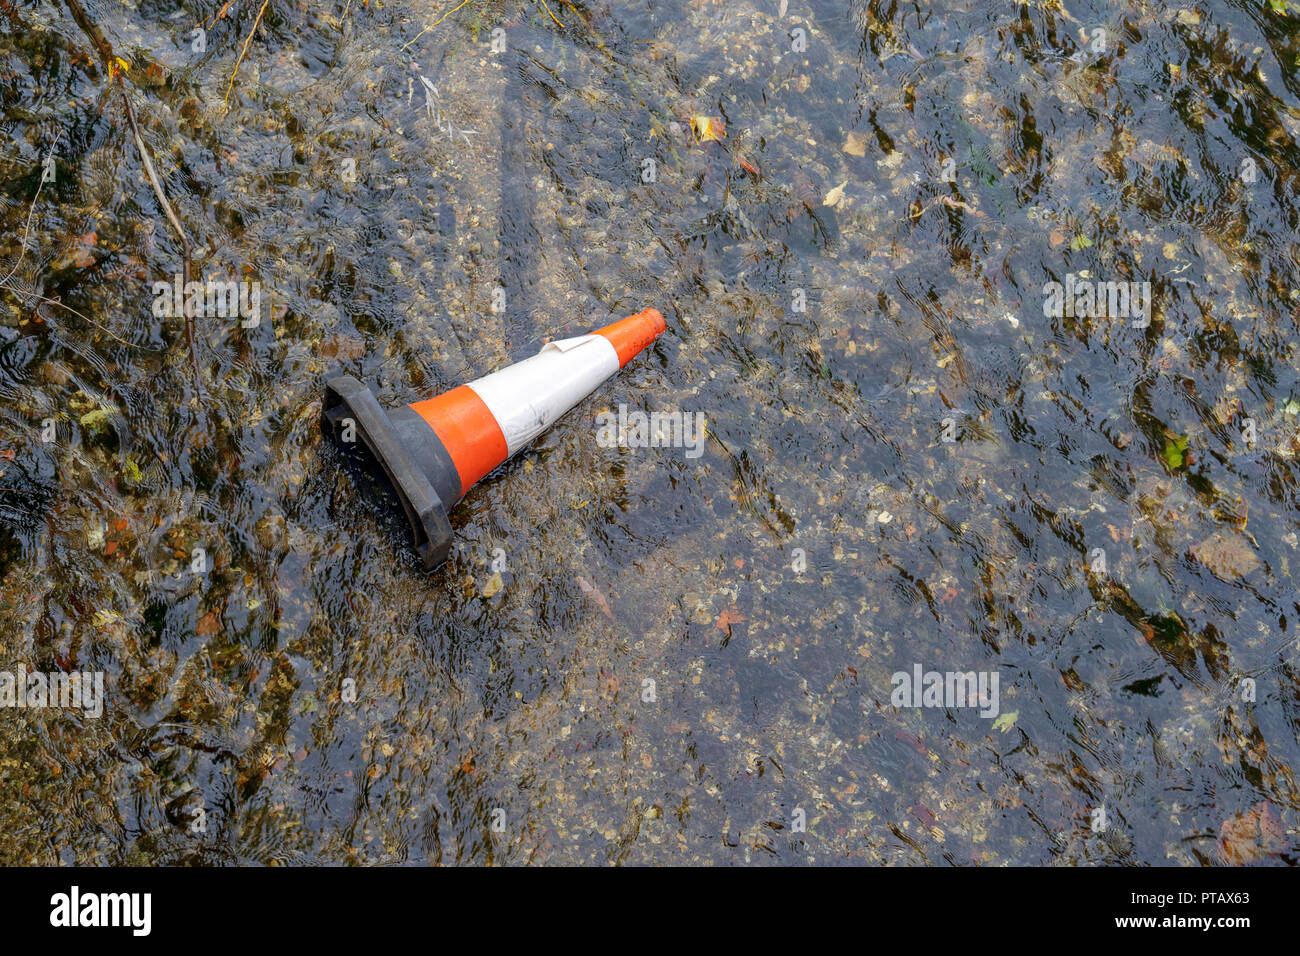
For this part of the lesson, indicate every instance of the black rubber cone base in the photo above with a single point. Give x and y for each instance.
(361, 428)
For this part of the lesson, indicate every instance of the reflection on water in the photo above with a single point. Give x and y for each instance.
(991, 317)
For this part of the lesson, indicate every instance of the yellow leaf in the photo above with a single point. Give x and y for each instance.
(856, 144)
(493, 586)
(709, 128)
(835, 195)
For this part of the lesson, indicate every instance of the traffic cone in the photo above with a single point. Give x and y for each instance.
(433, 452)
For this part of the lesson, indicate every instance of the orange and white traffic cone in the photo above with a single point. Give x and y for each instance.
(432, 452)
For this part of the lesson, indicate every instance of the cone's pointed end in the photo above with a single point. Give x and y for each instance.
(383, 446)
(631, 336)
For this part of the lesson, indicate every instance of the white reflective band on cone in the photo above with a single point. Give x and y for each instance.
(525, 398)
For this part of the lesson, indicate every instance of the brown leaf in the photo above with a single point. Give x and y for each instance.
(343, 347)
(855, 143)
(79, 256)
(1228, 556)
(727, 618)
(958, 204)
(916, 743)
(590, 590)
(1252, 837)
(209, 624)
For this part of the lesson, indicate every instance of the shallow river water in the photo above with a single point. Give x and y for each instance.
(989, 316)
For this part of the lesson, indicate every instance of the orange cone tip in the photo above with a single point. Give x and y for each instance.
(434, 451)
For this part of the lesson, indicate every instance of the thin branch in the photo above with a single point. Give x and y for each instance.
(248, 39)
(28, 293)
(553, 17)
(176, 224)
(23, 293)
(434, 24)
(22, 249)
(105, 51)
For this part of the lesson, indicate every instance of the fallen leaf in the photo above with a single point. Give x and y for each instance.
(79, 256)
(1175, 452)
(709, 128)
(892, 161)
(1226, 409)
(727, 618)
(494, 584)
(593, 594)
(209, 624)
(1005, 722)
(856, 143)
(1252, 837)
(916, 743)
(958, 204)
(835, 195)
(1228, 556)
(344, 347)
(1056, 238)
